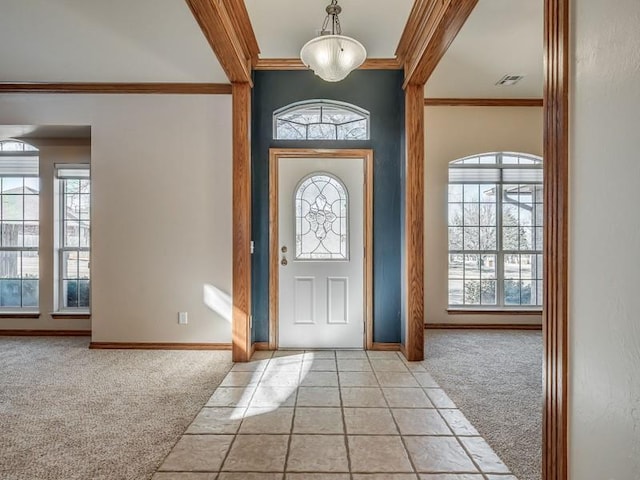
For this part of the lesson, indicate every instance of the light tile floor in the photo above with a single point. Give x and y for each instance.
(331, 415)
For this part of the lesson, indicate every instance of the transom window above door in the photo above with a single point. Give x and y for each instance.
(321, 120)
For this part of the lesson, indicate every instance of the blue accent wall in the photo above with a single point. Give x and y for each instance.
(380, 92)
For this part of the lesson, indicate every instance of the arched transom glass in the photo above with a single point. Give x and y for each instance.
(322, 218)
(321, 120)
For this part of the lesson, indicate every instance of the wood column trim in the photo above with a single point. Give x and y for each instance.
(483, 102)
(274, 247)
(556, 187)
(243, 28)
(296, 64)
(117, 88)
(45, 333)
(226, 29)
(158, 346)
(431, 28)
(241, 324)
(414, 222)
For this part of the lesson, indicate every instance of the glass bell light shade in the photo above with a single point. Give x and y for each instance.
(333, 57)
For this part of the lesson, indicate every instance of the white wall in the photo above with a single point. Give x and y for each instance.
(605, 241)
(452, 133)
(161, 213)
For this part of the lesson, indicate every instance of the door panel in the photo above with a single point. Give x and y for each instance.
(321, 251)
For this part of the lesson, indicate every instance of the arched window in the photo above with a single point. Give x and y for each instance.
(321, 120)
(495, 215)
(19, 225)
(322, 218)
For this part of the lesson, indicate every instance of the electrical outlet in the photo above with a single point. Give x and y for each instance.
(182, 318)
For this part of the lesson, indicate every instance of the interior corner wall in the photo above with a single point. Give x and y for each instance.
(161, 211)
(452, 133)
(378, 91)
(604, 241)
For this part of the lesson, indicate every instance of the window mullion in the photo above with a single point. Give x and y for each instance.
(499, 244)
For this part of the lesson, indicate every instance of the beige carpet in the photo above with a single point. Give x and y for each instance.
(495, 378)
(67, 412)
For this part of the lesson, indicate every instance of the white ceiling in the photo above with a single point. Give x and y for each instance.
(103, 41)
(500, 37)
(160, 41)
(282, 27)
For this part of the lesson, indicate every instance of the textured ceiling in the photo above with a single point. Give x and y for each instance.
(159, 41)
(500, 37)
(103, 41)
(282, 27)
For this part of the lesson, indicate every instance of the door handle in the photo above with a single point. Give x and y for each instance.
(284, 261)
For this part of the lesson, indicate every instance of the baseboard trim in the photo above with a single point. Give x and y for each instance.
(386, 347)
(158, 346)
(482, 326)
(45, 333)
(261, 346)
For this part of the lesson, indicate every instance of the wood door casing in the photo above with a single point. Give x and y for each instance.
(274, 155)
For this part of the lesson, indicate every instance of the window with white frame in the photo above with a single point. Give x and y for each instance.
(321, 120)
(19, 226)
(495, 215)
(74, 253)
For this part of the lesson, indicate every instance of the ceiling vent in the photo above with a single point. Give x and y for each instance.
(508, 80)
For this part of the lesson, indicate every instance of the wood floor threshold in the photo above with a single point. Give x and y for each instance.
(45, 333)
(482, 326)
(261, 346)
(386, 347)
(159, 346)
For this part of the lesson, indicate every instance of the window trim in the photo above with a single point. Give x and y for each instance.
(62, 311)
(498, 252)
(28, 151)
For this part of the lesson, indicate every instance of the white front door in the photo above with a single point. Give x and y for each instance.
(321, 239)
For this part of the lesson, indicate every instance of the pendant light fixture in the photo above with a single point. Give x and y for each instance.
(332, 56)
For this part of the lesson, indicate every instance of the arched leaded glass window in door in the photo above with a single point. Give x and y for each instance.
(322, 218)
(321, 120)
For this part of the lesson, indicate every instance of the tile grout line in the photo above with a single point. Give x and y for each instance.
(455, 435)
(413, 466)
(447, 423)
(293, 419)
(344, 423)
(235, 436)
(181, 436)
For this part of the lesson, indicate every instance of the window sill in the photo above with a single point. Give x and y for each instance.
(478, 311)
(19, 314)
(64, 315)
